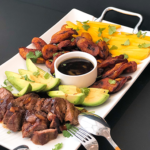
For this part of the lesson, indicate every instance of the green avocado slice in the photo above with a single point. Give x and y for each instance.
(25, 90)
(76, 98)
(69, 89)
(51, 81)
(96, 97)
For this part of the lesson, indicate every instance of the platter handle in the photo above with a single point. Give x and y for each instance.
(135, 30)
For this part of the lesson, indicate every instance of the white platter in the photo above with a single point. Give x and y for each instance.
(13, 140)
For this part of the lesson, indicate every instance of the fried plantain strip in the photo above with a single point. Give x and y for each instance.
(39, 43)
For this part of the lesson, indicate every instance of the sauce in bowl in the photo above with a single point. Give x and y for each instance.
(75, 66)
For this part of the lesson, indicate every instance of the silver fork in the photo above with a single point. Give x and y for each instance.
(87, 140)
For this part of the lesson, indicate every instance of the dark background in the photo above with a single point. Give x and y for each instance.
(21, 20)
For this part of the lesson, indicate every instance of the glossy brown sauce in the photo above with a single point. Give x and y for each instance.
(75, 66)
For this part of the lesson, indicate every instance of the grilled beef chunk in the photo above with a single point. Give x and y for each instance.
(39, 104)
(44, 136)
(7, 115)
(46, 105)
(33, 121)
(58, 107)
(71, 113)
(5, 98)
(111, 61)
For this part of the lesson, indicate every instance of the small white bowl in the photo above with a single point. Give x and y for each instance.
(80, 81)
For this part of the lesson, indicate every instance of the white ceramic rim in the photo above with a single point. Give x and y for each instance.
(94, 63)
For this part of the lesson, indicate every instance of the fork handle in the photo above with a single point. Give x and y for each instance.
(110, 140)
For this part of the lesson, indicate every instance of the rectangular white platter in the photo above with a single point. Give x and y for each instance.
(13, 140)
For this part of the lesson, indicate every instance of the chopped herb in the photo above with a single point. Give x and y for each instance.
(27, 79)
(100, 30)
(113, 47)
(68, 125)
(9, 88)
(66, 134)
(97, 41)
(36, 73)
(85, 91)
(84, 22)
(106, 39)
(33, 56)
(53, 74)
(144, 45)
(99, 76)
(126, 56)
(111, 30)
(86, 27)
(58, 146)
(112, 81)
(77, 29)
(5, 82)
(47, 75)
(63, 52)
(144, 34)
(50, 60)
(139, 34)
(64, 64)
(72, 40)
(8, 132)
(55, 54)
(126, 43)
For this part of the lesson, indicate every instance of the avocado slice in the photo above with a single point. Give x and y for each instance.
(51, 81)
(76, 98)
(19, 84)
(69, 89)
(25, 90)
(96, 97)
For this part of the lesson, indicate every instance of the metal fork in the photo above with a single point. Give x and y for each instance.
(87, 140)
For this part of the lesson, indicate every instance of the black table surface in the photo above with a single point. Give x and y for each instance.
(21, 20)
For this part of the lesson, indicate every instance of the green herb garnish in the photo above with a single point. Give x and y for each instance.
(8, 132)
(72, 40)
(85, 91)
(50, 60)
(126, 43)
(55, 54)
(97, 41)
(112, 81)
(33, 56)
(139, 34)
(47, 75)
(84, 22)
(144, 45)
(106, 39)
(58, 146)
(126, 56)
(8, 85)
(100, 30)
(36, 73)
(113, 47)
(77, 29)
(111, 29)
(53, 74)
(27, 79)
(66, 134)
(64, 64)
(86, 27)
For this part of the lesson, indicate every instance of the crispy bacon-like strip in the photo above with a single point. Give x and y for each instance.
(23, 51)
(64, 27)
(104, 83)
(132, 68)
(39, 43)
(104, 50)
(48, 51)
(62, 35)
(86, 45)
(66, 45)
(116, 71)
(111, 61)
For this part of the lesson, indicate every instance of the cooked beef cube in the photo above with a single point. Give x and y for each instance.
(28, 128)
(24, 100)
(71, 113)
(5, 98)
(30, 116)
(47, 105)
(39, 104)
(51, 116)
(15, 121)
(58, 107)
(31, 104)
(42, 137)
(7, 115)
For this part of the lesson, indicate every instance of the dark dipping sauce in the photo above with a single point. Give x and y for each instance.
(75, 66)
